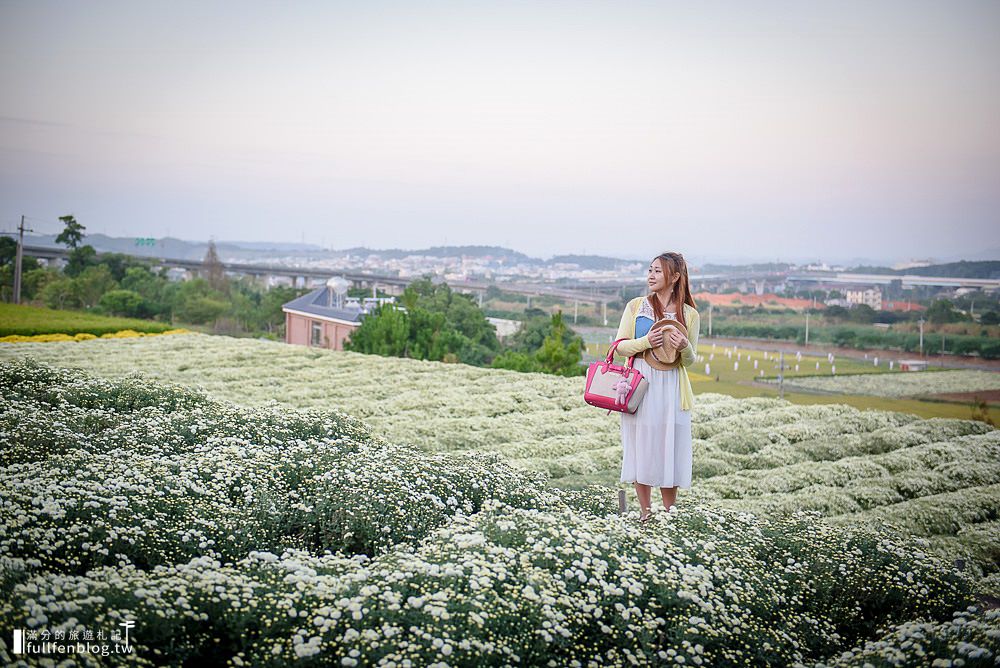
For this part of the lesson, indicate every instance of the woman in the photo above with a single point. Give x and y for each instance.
(656, 440)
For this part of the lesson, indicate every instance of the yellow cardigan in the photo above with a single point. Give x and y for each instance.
(626, 330)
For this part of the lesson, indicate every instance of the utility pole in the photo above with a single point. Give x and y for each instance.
(807, 327)
(18, 259)
(921, 337)
(710, 319)
(781, 374)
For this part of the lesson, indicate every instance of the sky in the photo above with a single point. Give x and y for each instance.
(723, 130)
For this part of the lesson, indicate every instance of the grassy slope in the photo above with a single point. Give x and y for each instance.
(30, 320)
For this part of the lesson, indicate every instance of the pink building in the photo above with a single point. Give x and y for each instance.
(314, 320)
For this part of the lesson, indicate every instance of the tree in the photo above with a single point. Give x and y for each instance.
(460, 311)
(79, 259)
(844, 337)
(429, 336)
(35, 280)
(201, 309)
(863, 313)
(835, 312)
(72, 234)
(418, 333)
(150, 287)
(8, 252)
(942, 311)
(214, 271)
(139, 279)
(533, 333)
(516, 361)
(60, 293)
(990, 318)
(409, 298)
(83, 291)
(444, 323)
(384, 331)
(117, 264)
(123, 303)
(555, 356)
(271, 301)
(535, 312)
(196, 302)
(91, 284)
(558, 352)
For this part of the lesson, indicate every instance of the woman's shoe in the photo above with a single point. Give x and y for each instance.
(645, 515)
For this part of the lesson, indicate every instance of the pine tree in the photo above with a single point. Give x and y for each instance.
(556, 356)
(72, 235)
(214, 271)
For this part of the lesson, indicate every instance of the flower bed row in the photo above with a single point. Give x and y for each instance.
(85, 336)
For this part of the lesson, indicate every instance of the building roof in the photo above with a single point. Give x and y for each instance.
(315, 303)
(897, 305)
(738, 298)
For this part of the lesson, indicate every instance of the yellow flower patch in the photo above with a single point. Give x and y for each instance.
(85, 336)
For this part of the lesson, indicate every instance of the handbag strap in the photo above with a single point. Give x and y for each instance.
(611, 355)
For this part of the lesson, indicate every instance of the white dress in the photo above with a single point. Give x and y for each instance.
(656, 440)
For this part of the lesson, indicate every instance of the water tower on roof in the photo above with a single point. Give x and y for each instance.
(336, 286)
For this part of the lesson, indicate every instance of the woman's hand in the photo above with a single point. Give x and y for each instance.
(678, 340)
(656, 337)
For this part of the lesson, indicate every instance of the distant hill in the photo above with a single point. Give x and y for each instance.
(195, 250)
(169, 247)
(178, 249)
(763, 267)
(593, 262)
(165, 247)
(961, 269)
(496, 252)
(271, 245)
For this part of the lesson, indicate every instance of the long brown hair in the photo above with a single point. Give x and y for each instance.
(674, 264)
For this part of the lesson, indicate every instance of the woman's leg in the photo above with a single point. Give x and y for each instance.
(669, 495)
(642, 492)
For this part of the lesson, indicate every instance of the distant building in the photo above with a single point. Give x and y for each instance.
(318, 319)
(869, 297)
(913, 264)
(739, 299)
(902, 306)
(912, 365)
(504, 326)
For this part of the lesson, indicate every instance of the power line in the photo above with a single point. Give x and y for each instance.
(57, 224)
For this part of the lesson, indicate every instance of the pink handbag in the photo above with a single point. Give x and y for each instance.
(614, 387)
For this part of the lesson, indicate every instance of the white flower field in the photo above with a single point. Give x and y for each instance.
(253, 503)
(892, 385)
